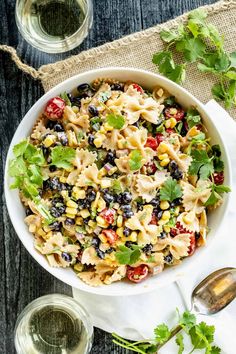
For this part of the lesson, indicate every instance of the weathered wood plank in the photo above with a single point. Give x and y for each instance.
(22, 279)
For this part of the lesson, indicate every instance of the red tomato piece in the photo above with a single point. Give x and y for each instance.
(219, 177)
(137, 274)
(151, 143)
(192, 246)
(153, 219)
(173, 112)
(159, 137)
(138, 88)
(170, 130)
(111, 236)
(108, 215)
(150, 168)
(54, 108)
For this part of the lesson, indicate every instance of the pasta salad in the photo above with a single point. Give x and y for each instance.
(117, 181)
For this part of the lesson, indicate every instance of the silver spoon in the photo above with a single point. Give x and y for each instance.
(212, 294)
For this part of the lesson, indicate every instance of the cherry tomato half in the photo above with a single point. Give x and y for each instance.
(159, 137)
(150, 168)
(219, 177)
(111, 236)
(108, 215)
(54, 108)
(192, 246)
(137, 274)
(153, 220)
(151, 143)
(173, 112)
(138, 88)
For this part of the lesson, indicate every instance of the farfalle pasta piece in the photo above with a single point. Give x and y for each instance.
(178, 245)
(147, 185)
(82, 120)
(88, 177)
(195, 197)
(33, 221)
(84, 158)
(141, 221)
(39, 129)
(189, 220)
(113, 140)
(89, 256)
(118, 274)
(90, 278)
(147, 108)
(202, 228)
(183, 160)
(123, 164)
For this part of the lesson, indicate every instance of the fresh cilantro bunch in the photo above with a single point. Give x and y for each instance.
(25, 168)
(201, 42)
(201, 336)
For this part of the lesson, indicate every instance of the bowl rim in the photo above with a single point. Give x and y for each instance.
(174, 276)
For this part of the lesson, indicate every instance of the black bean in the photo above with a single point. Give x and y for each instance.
(126, 207)
(69, 221)
(86, 220)
(126, 231)
(58, 128)
(126, 197)
(173, 165)
(83, 87)
(128, 214)
(50, 124)
(168, 259)
(76, 101)
(110, 157)
(95, 242)
(118, 198)
(61, 209)
(159, 214)
(91, 196)
(148, 249)
(28, 212)
(91, 139)
(93, 110)
(55, 212)
(110, 250)
(56, 226)
(52, 168)
(197, 235)
(155, 202)
(117, 87)
(45, 151)
(108, 197)
(163, 235)
(177, 174)
(66, 256)
(100, 253)
(130, 243)
(63, 138)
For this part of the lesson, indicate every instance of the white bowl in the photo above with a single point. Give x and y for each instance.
(17, 211)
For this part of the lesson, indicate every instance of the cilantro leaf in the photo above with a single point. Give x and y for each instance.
(17, 167)
(187, 320)
(127, 255)
(34, 155)
(167, 67)
(135, 160)
(115, 120)
(232, 57)
(169, 36)
(213, 199)
(162, 333)
(215, 350)
(214, 196)
(192, 48)
(225, 92)
(201, 164)
(65, 97)
(180, 342)
(193, 117)
(221, 188)
(170, 190)
(29, 189)
(62, 156)
(20, 148)
(116, 186)
(202, 335)
(35, 175)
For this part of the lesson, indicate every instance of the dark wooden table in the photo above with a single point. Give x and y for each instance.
(22, 279)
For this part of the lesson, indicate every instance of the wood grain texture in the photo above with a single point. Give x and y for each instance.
(22, 279)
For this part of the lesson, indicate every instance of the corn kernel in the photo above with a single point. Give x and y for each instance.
(101, 204)
(173, 122)
(102, 172)
(103, 238)
(48, 235)
(92, 223)
(84, 213)
(79, 220)
(164, 162)
(193, 131)
(164, 205)
(71, 216)
(78, 193)
(133, 236)
(63, 179)
(70, 203)
(64, 194)
(167, 123)
(106, 183)
(187, 219)
(160, 92)
(78, 267)
(98, 142)
(166, 215)
(166, 228)
(176, 213)
(163, 156)
(75, 109)
(72, 211)
(112, 170)
(32, 228)
(119, 221)
(101, 222)
(41, 232)
(49, 140)
(120, 144)
(119, 231)
(102, 130)
(108, 127)
(162, 148)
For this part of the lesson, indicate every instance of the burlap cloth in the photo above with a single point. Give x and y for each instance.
(136, 50)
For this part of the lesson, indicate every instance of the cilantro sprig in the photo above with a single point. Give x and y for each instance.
(199, 41)
(62, 156)
(201, 164)
(170, 190)
(25, 168)
(215, 193)
(200, 334)
(135, 160)
(127, 255)
(116, 121)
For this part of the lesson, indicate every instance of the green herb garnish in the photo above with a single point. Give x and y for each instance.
(200, 334)
(201, 164)
(214, 196)
(135, 160)
(115, 120)
(62, 157)
(193, 117)
(65, 97)
(170, 190)
(127, 255)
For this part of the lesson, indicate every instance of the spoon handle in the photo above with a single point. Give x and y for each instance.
(174, 331)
